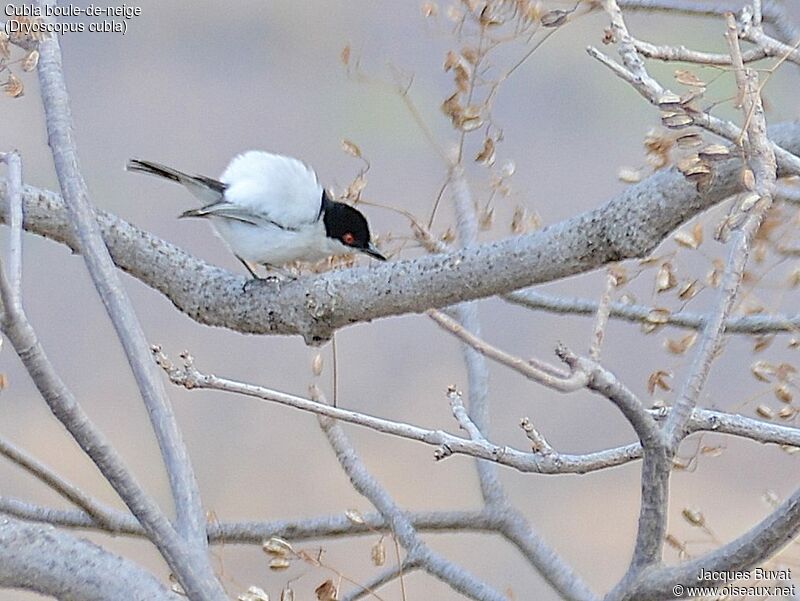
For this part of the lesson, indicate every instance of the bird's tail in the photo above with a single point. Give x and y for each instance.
(205, 188)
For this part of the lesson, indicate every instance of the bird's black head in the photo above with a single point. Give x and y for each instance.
(348, 226)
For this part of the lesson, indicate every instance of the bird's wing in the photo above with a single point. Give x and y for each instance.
(280, 189)
(234, 212)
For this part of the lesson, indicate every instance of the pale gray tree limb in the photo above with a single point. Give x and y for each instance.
(762, 161)
(99, 513)
(37, 557)
(190, 517)
(743, 553)
(447, 444)
(735, 324)
(62, 403)
(630, 225)
(773, 12)
(417, 552)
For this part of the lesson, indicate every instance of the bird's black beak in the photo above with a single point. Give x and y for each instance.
(372, 252)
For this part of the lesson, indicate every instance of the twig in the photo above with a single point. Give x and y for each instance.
(652, 91)
(104, 516)
(762, 160)
(383, 578)
(740, 324)
(417, 552)
(759, 431)
(542, 373)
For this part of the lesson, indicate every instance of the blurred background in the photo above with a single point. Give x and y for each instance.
(193, 83)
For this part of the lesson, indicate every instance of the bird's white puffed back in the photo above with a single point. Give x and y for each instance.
(281, 188)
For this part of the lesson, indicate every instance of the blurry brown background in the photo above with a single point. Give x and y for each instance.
(192, 84)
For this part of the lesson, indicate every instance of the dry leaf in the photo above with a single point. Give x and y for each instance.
(5, 52)
(765, 412)
(486, 155)
(254, 593)
(287, 594)
(31, 60)
(688, 290)
(279, 563)
(13, 86)
(680, 346)
(688, 78)
(715, 151)
(783, 394)
(316, 365)
(658, 379)
(378, 553)
(762, 371)
(344, 56)
(351, 148)
(554, 18)
(326, 591)
(665, 277)
(694, 516)
(658, 316)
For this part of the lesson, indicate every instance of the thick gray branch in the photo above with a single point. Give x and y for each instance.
(630, 225)
(39, 558)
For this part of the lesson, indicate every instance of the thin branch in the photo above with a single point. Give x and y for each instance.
(741, 554)
(402, 529)
(762, 161)
(656, 461)
(740, 324)
(256, 532)
(475, 363)
(190, 516)
(388, 575)
(448, 444)
(687, 55)
(788, 162)
(773, 11)
(104, 516)
(539, 372)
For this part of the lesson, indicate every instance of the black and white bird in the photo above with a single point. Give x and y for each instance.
(271, 210)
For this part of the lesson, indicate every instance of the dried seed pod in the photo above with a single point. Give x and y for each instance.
(354, 516)
(658, 379)
(676, 120)
(765, 412)
(689, 140)
(277, 546)
(715, 151)
(378, 553)
(326, 591)
(669, 101)
(351, 148)
(279, 563)
(695, 517)
(665, 277)
(316, 365)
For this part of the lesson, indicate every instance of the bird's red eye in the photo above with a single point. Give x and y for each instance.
(348, 239)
